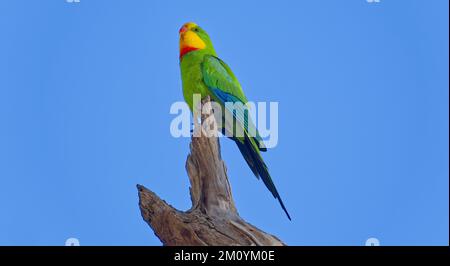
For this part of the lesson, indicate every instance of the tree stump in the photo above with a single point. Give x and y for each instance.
(213, 219)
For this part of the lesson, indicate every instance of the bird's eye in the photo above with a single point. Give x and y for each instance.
(196, 29)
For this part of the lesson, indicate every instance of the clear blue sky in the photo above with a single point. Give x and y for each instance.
(85, 92)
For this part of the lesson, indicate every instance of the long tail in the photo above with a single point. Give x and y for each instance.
(250, 151)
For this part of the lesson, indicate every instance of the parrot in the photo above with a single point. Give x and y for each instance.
(204, 73)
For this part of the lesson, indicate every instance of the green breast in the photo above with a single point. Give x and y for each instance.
(191, 76)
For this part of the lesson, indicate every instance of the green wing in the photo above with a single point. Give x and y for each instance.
(224, 87)
(217, 74)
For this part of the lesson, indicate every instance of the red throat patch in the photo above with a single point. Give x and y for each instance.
(186, 50)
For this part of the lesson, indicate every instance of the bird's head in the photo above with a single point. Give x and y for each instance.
(193, 38)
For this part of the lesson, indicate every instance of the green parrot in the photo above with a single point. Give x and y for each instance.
(202, 72)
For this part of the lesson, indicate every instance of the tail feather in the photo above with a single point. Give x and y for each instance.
(255, 162)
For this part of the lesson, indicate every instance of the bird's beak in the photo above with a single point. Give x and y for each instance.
(183, 29)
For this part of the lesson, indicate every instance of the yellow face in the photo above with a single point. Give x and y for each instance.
(189, 39)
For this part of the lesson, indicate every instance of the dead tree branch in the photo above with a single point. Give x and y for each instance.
(213, 218)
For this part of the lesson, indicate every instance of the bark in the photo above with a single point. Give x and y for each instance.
(213, 219)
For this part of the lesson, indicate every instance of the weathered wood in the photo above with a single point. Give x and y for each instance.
(213, 218)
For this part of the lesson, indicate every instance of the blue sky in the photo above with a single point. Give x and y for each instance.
(85, 92)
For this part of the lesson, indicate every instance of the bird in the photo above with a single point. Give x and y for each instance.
(204, 73)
